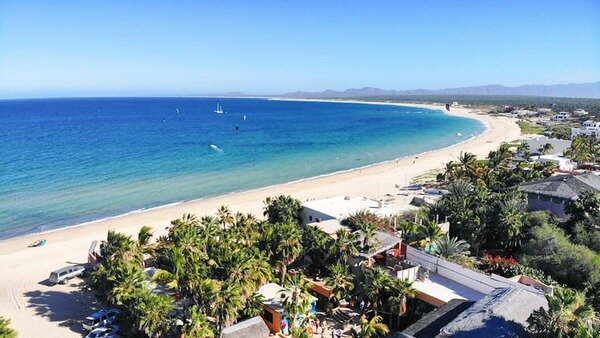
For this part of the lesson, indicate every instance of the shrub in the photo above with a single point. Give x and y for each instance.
(571, 264)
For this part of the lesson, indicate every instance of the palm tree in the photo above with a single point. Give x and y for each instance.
(143, 240)
(429, 231)
(196, 324)
(466, 158)
(283, 209)
(566, 312)
(288, 246)
(295, 298)
(402, 290)
(523, 149)
(345, 245)
(545, 149)
(372, 328)
(226, 305)
(225, 217)
(152, 312)
(451, 248)
(5, 330)
(511, 217)
(253, 306)
(377, 283)
(340, 282)
(126, 279)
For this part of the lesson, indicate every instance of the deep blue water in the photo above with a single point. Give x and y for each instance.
(67, 161)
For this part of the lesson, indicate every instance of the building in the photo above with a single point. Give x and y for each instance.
(552, 193)
(340, 207)
(524, 113)
(562, 163)
(561, 116)
(558, 146)
(501, 313)
(580, 112)
(273, 313)
(254, 327)
(589, 127)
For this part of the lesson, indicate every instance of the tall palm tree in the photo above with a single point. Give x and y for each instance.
(345, 245)
(126, 279)
(523, 149)
(566, 312)
(253, 306)
(451, 248)
(401, 290)
(283, 209)
(288, 246)
(152, 313)
(196, 324)
(143, 240)
(295, 298)
(225, 217)
(377, 283)
(226, 305)
(372, 328)
(340, 281)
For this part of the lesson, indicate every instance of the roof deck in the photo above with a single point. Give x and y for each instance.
(438, 290)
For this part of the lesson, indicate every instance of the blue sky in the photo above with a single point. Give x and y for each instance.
(85, 48)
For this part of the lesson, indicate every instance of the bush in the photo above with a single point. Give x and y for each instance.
(571, 264)
(509, 267)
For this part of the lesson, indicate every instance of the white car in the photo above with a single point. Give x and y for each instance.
(102, 318)
(104, 332)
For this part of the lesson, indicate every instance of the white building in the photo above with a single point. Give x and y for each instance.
(524, 113)
(591, 123)
(340, 207)
(561, 162)
(595, 131)
(561, 116)
(580, 112)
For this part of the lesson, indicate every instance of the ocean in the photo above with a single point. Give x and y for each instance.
(68, 161)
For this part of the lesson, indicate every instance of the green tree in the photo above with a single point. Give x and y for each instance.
(283, 209)
(196, 324)
(225, 217)
(295, 298)
(5, 330)
(339, 281)
(345, 245)
(566, 314)
(372, 328)
(451, 248)
(151, 313)
(377, 283)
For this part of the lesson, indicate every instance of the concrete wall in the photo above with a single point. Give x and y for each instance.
(409, 274)
(309, 215)
(474, 280)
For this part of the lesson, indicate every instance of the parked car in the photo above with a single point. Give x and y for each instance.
(104, 317)
(63, 275)
(104, 332)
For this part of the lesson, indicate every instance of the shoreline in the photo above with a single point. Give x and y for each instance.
(36, 309)
(439, 108)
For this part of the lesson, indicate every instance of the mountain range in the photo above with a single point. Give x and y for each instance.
(575, 90)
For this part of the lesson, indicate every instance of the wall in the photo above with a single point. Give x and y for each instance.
(409, 274)
(554, 205)
(474, 280)
(305, 213)
(275, 325)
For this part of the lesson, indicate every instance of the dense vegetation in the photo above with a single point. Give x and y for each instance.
(207, 272)
(528, 102)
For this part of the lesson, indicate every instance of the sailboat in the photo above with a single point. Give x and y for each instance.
(219, 109)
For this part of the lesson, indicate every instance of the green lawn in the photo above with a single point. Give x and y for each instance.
(530, 128)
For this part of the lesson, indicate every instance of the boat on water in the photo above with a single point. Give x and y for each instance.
(244, 117)
(219, 109)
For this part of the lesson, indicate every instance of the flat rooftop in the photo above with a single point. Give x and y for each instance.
(341, 207)
(329, 226)
(441, 290)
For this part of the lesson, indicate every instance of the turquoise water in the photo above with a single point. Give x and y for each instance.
(68, 161)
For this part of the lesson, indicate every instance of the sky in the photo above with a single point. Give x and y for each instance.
(126, 48)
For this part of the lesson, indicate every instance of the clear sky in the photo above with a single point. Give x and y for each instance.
(85, 48)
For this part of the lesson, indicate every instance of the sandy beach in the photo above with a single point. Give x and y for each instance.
(39, 310)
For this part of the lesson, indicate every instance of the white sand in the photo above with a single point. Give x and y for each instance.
(39, 310)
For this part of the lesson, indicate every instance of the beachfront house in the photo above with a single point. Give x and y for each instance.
(273, 313)
(468, 303)
(340, 207)
(561, 116)
(551, 194)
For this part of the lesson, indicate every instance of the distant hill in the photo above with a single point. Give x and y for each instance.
(574, 90)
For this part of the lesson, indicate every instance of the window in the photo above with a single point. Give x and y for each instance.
(310, 217)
